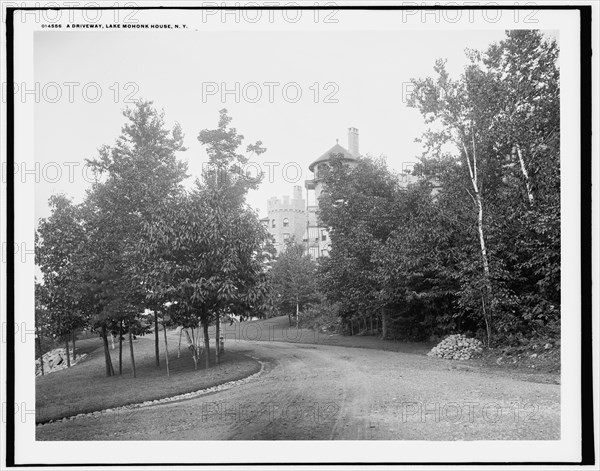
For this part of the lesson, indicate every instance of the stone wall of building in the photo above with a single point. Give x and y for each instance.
(287, 218)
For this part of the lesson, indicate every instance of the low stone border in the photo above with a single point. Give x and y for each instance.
(166, 400)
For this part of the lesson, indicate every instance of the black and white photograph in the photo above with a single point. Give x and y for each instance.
(299, 234)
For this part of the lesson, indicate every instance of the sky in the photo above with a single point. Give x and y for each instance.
(346, 79)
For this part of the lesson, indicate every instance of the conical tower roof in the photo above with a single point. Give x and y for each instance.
(336, 149)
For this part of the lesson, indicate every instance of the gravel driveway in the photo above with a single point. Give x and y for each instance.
(319, 392)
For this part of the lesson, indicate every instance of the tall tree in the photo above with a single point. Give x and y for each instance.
(293, 277)
(501, 116)
(206, 246)
(58, 239)
(139, 172)
(360, 206)
(524, 91)
(461, 109)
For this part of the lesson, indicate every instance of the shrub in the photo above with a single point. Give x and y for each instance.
(323, 317)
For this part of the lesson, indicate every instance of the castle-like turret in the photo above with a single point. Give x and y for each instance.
(316, 237)
(287, 218)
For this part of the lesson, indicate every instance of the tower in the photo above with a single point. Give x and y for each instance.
(286, 218)
(316, 236)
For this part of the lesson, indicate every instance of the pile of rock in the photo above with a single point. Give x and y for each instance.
(457, 347)
(56, 360)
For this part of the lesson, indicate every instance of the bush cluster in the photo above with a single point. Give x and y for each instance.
(323, 317)
(457, 347)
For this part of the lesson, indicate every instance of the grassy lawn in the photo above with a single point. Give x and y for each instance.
(85, 388)
(278, 329)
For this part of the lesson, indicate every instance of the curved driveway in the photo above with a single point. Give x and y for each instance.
(318, 392)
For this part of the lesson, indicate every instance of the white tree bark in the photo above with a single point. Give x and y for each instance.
(525, 174)
(478, 200)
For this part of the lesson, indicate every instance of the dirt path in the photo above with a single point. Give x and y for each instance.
(319, 392)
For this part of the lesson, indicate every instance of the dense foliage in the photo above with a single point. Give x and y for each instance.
(475, 245)
(141, 243)
(293, 281)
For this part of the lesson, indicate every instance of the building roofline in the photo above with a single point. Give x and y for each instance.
(336, 149)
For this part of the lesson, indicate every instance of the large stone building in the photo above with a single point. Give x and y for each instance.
(294, 218)
(297, 217)
(286, 218)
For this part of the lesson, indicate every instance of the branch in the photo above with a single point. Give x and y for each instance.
(472, 197)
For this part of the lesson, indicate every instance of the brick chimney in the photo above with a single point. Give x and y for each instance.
(353, 141)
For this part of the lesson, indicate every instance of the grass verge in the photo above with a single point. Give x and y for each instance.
(278, 329)
(84, 387)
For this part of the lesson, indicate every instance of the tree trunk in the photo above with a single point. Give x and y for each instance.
(199, 348)
(112, 339)
(107, 360)
(218, 339)
(478, 200)
(384, 326)
(222, 344)
(351, 327)
(488, 322)
(484, 256)
(73, 340)
(486, 273)
(371, 319)
(297, 315)
(290, 318)
(179, 348)
(120, 347)
(156, 349)
(194, 350)
(131, 352)
(166, 350)
(67, 348)
(525, 174)
(206, 342)
(39, 342)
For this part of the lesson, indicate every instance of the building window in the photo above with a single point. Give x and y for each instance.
(323, 234)
(286, 222)
(314, 253)
(273, 223)
(286, 236)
